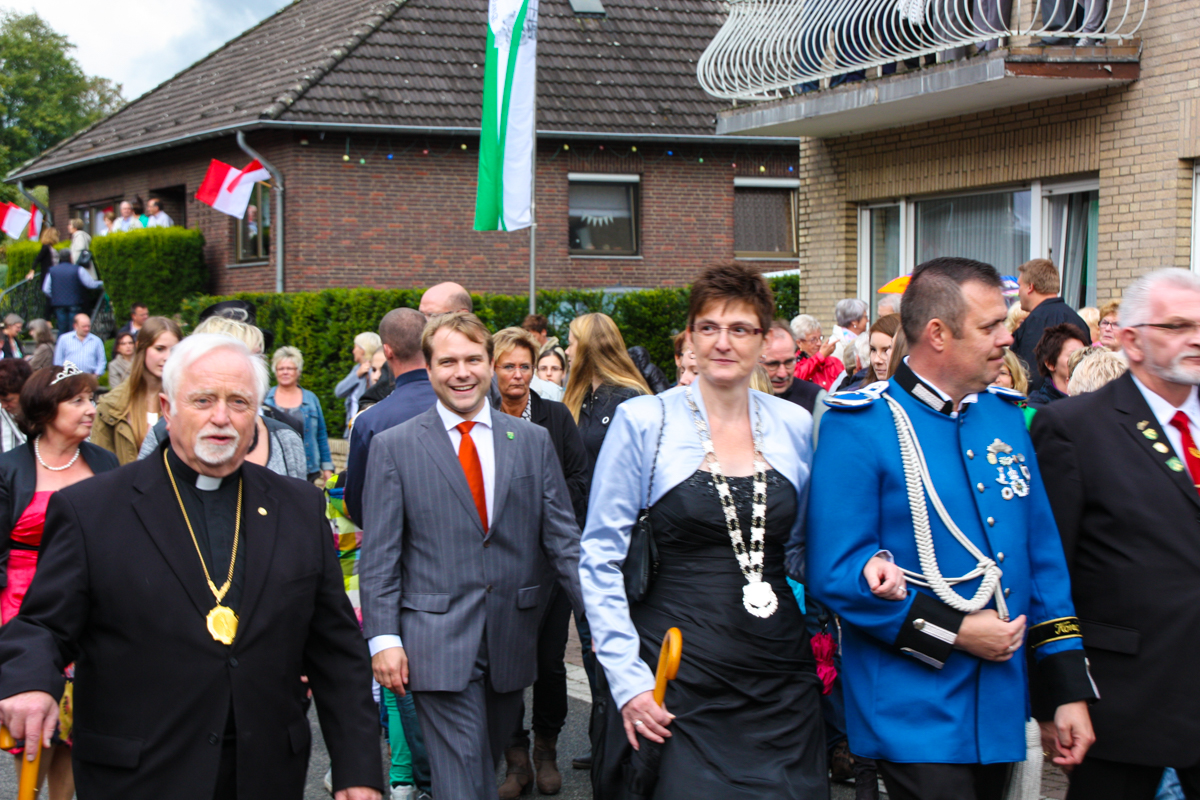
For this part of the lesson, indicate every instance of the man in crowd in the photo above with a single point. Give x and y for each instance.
(1037, 286)
(1122, 469)
(157, 217)
(127, 221)
(66, 285)
(539, 327)
(448, 616)
(779, 359)
(138, 314)
(445, 298)
(935, 680)
(185, 687)
(82, 347)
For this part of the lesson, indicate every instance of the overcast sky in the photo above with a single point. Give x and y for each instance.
(140, 45)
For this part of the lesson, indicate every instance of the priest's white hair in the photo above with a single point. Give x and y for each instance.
(1135, 301)
(199, 345)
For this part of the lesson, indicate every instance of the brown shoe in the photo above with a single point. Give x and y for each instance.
(841, 767)
(545, 753)
(516, 782)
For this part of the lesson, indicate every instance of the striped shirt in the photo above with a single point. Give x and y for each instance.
(88, 354)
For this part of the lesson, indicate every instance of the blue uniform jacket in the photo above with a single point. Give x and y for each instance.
(910, 697)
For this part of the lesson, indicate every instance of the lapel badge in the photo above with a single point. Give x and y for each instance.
(1011, 472)
(1175, 464)
(1141, 426)
(995, 450)
(1162, 448)
(262, 511)
(1150, 434)
(510, 435)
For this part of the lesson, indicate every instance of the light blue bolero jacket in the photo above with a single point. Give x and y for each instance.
(619, 487)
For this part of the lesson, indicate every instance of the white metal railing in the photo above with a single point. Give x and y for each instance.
(769, 47)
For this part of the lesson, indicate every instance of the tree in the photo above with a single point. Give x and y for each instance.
(44, 94)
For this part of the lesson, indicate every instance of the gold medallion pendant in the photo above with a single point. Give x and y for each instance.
(222, 624)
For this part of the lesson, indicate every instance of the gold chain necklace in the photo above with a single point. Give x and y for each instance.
(222, 622)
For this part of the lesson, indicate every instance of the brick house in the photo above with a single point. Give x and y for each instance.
(1085, 151)
(369, 111)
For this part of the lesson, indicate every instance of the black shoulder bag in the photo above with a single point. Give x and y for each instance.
(641, 562)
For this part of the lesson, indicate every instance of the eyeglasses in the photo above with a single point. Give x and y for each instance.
(710, 331)
(1110, 325)
(1173, 328)
(788, 364)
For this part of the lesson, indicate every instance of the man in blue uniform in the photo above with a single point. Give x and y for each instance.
(940, 476)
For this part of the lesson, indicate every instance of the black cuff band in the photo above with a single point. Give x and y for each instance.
(1058, 679)
(1053, 630)
(928, 632)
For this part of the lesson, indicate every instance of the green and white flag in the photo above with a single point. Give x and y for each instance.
(504, 194)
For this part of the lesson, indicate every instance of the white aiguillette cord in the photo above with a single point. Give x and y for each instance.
(916, 474)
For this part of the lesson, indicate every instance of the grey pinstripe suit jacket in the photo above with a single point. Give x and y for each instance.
(429, 574)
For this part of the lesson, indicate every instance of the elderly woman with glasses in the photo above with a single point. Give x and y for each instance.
(815, 360)
(302, 405)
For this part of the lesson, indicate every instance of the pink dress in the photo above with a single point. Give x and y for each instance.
(23, 563)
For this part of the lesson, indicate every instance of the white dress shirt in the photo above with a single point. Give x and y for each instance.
(1164, 411)
(159, 220)
(485, 446)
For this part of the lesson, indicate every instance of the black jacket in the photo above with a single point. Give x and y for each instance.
(18, 482)
(1130, 527)
(802, 393)
(120, 591)
(1050, 312)
(595, 414)
(655, 379)
(1044, 395)
(568, 446)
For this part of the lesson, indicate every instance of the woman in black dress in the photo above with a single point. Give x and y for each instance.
(742, 719)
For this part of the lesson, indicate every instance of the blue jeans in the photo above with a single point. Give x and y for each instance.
(1169, 789)
(65, 317)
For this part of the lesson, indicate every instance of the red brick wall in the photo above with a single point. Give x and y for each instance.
(407, 222)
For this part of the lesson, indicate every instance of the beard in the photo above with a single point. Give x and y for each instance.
(1176, 371)
(217, 455)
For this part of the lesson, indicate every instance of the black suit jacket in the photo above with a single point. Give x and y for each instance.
(119, 590)
(18, 483)
(1130, 526)
(568, 445)
(1048, 313)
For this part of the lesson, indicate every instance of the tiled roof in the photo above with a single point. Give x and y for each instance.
(419, 64)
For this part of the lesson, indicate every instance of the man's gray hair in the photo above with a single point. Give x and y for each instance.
(849, 310)
(803, 325)
(1135, 302)
(891, 302)
(199, 345)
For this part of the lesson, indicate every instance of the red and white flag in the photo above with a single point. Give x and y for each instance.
(14, 220)
(227, 189)
(35, 222)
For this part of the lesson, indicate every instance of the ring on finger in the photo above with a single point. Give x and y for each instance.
(638, 722)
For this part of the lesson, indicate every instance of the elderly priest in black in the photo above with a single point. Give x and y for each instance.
(193, 591)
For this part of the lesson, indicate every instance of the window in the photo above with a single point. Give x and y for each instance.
(993, 228)
(1196, 217)
(880, 233)
(602, 215)
(92, 215)
(254, 229)
(764, 217)
(1070, 237)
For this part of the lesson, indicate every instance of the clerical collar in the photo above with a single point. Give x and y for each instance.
(927, 392)
(185, 474)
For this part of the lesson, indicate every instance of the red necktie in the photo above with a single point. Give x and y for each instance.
(1191, 455)
(468, 456)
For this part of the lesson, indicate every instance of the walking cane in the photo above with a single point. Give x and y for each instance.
(668, 663)
(27, 787)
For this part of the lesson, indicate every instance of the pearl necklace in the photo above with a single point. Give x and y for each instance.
(758, 596)
(37, 452)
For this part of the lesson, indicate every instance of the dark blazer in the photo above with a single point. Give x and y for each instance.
(1047, 314)
(568, 445)
(120, 591)
(597, 411)
(18, 482)
(1130, 528)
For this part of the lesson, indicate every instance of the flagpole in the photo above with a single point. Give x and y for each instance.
(533, 207)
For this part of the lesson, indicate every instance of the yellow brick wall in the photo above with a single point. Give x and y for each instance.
(1140, 139)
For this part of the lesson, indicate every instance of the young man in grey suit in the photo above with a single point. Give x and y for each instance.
(462, 509)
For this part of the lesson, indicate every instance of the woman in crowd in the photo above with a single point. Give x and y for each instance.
(80, 239)
(122, 362)
(124, 415)
(815, 360)
(47, 257)
(1091, 316)
(1013, 374)
(899, 352)
(302, 405)
(685, 361)
(43, 340)
(882, 335)
(10, 346)
(552, 366)
(1109, 326)
(1053, 352)
(351, 388)
(276, 445)
(1093, 367)
(13, 374)
(743, 717)
(1016, 315)
(110, 221)
(57, 408)
(514, 351)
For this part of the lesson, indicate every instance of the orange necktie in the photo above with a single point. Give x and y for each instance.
(468, 456)
(1191, 456)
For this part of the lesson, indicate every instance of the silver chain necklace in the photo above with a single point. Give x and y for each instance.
(758, 596)
(38, 452)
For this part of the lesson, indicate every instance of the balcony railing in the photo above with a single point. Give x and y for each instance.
(771, 48)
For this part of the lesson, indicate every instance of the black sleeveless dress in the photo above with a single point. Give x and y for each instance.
(748, 720)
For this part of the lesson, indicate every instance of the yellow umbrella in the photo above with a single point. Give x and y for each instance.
(895, 285)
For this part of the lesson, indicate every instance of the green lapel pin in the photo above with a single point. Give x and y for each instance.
(510, 435)
(1175, 464)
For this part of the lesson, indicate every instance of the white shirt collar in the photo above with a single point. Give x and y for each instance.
(451, 420)
(973, 397)
(1163, 411)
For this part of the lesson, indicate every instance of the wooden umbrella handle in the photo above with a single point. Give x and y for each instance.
(28, 785)
(668, 663)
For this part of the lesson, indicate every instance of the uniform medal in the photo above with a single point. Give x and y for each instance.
(222, 622)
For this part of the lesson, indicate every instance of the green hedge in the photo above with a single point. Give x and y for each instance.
(158, 266)
(323, 324)
(20, 257)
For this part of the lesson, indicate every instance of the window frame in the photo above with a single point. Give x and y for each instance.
(261, 190)
(94, 218)
(634, 181)
(1195, 254)
(792, 186)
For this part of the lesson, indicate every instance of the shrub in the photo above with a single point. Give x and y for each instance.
(323, 324)
(158, 266)
(20, 257)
